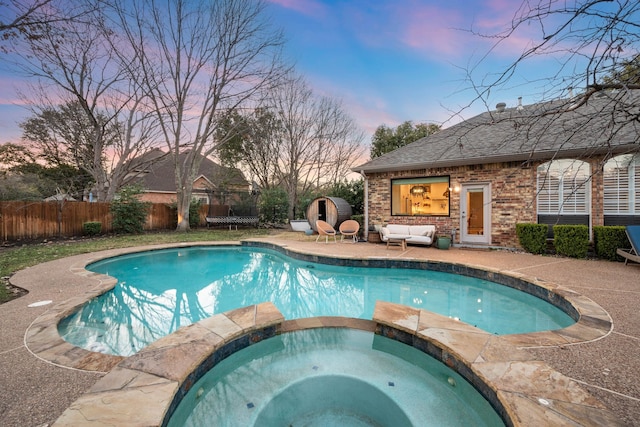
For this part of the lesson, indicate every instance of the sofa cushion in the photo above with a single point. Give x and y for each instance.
(422, 230)
(398, 229)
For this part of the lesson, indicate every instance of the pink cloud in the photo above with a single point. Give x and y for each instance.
(498, 18)
(437, 31)
(11, 86)
(434, 29)
(306, 7)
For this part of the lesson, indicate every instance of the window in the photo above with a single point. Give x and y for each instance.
(427, 196)
(563, 187)
(621, 176)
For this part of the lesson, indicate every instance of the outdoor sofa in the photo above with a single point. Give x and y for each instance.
(414, 234)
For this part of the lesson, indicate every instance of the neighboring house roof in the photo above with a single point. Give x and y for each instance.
(605, 123)
(159, 176)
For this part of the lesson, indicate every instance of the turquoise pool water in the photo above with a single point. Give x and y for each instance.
(160, 291)
(332, 377)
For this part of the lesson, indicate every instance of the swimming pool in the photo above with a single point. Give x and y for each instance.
(332, 377)
(160, 291)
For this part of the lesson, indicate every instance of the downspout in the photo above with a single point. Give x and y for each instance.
(366, 205)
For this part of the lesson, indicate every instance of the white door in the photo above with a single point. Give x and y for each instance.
(475, 214)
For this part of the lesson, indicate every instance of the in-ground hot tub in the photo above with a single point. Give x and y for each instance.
(332, 376)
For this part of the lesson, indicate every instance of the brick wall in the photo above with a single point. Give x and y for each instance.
(157, 197)
(513, 189)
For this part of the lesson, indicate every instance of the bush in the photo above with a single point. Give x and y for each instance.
(92, 228)
(607, 239)
(274, 205)
(532, 237)
(129, 213)
(571, 240)
(194, 213)
(352, 192)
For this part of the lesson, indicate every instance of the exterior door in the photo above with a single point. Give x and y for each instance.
(475, 214)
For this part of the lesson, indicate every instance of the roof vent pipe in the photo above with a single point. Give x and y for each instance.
(570, 89)
(500, 106)
(520, 107)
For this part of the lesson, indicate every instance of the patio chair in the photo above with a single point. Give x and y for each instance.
(325, 229)
(349, 228)
(633, 254)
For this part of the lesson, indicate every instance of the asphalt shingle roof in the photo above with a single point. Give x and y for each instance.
(160, 176)
(605, 123)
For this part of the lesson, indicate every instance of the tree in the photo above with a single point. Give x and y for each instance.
(57, 179)
(16, 186)
(64, 135)
(627, 74)
(19, 15)
(595, 45)
(255, 144)
(297, 141)
(386, 139)
(82, 74)
(199, 59)
(14, 155)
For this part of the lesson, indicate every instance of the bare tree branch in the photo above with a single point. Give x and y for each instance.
(199, 59)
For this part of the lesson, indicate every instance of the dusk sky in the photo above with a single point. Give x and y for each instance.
(387, 60)
(391, 61)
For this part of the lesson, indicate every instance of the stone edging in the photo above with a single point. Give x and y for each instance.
(145, 389)
(523, 391)
(592, 321)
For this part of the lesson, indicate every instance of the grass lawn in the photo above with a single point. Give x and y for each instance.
(16, 258)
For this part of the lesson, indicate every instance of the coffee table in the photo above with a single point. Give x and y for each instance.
(397, 241)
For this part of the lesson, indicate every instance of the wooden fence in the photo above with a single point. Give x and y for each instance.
(35, 220)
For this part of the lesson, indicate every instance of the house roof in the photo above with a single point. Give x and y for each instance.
(576, 127)
(159, 176)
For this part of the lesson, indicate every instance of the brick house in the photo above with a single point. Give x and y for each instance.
(213, 185)
(568, 161)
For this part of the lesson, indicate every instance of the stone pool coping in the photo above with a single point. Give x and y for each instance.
(593, 323)
(145, 389)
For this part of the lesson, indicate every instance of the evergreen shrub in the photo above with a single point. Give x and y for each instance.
(92, 228)
(571, 240)
(532, 237)
(129, 213)
(607, 239)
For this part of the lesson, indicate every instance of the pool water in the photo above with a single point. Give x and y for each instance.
(332, 377)
(161, 291)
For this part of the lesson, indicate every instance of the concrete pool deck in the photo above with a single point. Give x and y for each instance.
(36, 392)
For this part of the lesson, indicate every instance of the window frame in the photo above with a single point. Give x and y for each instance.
(428, 183)
(568, 194)
(630, 188)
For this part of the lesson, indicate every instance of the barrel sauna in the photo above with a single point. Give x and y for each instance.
(333, 210)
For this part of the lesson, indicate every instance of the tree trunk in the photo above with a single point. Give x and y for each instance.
(293, 201)
(184, 197)
(184, 191)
